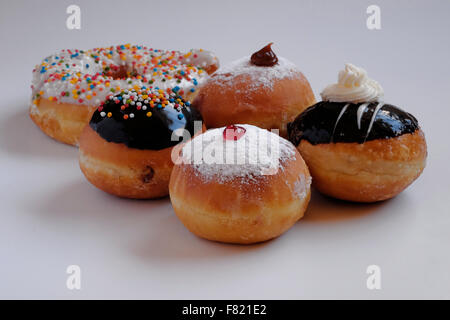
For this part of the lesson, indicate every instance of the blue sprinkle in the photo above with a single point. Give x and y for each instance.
(53, 63)
(155, 69)
(92, 86)
(192, 90)
(122, 47)
(87, 65)
(119, 97)
(159, 106)
(171, 99)
(43, 70)
(182, 72)
(180, 116)
(176, 89)
(187, 103)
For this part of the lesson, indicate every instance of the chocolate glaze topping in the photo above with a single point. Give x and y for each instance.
(328, 122)
(138, 124)
(264, 57)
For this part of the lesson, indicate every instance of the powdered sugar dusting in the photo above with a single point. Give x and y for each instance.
(260, 76)
(257, 153)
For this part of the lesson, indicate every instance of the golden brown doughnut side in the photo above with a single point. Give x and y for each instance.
(221, 104)
(236, 212)
(373, 171)
(61, 121)
(123, 171)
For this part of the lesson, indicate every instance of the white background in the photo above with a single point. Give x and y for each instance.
(51, 217)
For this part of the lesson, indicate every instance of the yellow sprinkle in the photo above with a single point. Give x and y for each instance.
(149, 114)
(75, 96)
(109, 114)
(41, 92)
(88, 97)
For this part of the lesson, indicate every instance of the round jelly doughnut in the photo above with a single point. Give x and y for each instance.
(357, 147)
(239, 184)
(69, 85)
(263, 90)
(128, 147)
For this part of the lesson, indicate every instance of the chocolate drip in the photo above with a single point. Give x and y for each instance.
(264, 57)
(141, 131)
(328, 122)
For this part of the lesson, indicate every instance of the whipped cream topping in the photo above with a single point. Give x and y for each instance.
(353, 86)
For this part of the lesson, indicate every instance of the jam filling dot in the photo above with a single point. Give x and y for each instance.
(264, 57)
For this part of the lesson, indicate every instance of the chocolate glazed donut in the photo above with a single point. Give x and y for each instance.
(361, 152)
(143, 132)
(126, 149)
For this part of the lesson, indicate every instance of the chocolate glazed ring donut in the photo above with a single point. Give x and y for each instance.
(126, 149)
(361, 152)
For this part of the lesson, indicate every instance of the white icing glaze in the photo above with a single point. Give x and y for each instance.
(258, 152)
(260, 76)
(82, 75)
(353, 86)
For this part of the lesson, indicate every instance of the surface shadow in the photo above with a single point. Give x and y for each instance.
(21, 137)
(172, 241)
(323, 209)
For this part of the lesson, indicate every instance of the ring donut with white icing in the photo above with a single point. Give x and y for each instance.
(357, 147)
(69, 85)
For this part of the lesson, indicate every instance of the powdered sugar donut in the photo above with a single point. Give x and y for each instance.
(69, 85)
(263, 90)
(239, 184)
